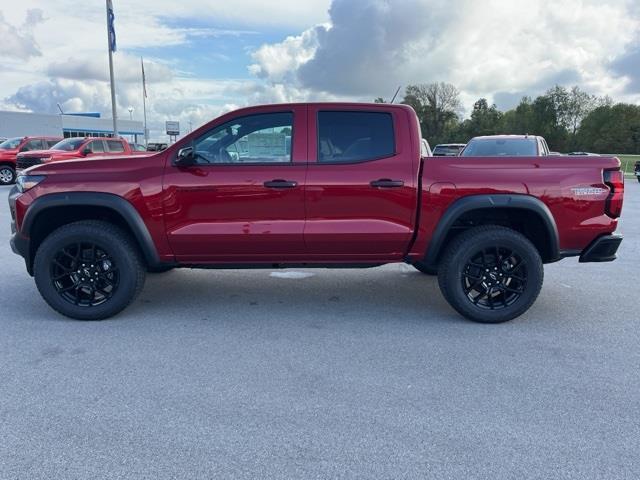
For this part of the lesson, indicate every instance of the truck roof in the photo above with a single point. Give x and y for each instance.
(504, 137)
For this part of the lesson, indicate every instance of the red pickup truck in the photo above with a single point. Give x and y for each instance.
(11, 148)
(78, 147)
(314, 185)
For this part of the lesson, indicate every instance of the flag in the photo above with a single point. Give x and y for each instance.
(111, 28)
(144, 79)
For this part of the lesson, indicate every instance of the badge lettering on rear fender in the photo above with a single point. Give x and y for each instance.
(588, 191)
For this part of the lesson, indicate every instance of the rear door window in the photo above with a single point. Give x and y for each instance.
(347, 137)
(115, 146)
(50, 143)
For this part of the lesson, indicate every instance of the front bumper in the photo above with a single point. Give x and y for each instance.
(602, 249)
(19, 243)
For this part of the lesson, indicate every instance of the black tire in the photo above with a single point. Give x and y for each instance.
(494, 286)
(421, 267)
(638, 177)
(7, 175)
(110, 257)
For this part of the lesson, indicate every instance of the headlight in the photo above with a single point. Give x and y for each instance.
(27, 182)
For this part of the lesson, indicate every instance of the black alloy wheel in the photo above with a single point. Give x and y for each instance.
(490, 274)
(494, 278)
(89, 270)
(84, 274)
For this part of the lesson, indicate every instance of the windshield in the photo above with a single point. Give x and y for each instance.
(501, 147)
(10, 144)
(68, 144)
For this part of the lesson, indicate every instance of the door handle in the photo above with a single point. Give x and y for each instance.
(387, 183)
(279, 183)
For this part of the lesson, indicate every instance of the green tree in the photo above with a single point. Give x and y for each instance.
(519, 121)
(437, 106)
(611, 129)
(484, 120)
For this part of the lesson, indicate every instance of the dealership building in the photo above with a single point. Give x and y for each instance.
(21, 124)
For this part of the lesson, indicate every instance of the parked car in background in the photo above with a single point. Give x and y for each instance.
(636, 170)
(426, 148)
(10, 148)
(506, 146)
(448, 149)
(349, 188)
(70, 148)
(137, 147)
(156, 147)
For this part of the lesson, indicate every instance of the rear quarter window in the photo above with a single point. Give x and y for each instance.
(346, 137)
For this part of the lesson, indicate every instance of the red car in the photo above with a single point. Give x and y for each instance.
(70, 148)
(10, 148)
(320, 185)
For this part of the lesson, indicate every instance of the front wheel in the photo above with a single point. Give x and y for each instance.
(88, 270)
(491, 274)
(7, 175)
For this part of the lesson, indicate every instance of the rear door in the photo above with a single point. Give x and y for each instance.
(361, 185)
(243, 201)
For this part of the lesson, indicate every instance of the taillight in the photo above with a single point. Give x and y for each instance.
(614, 179)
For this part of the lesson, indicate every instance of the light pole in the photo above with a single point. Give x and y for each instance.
(133, 137)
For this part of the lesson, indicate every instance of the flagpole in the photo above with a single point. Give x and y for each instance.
(111, 46)
(144, 103)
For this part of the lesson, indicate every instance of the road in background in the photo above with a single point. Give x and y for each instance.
(325, 374)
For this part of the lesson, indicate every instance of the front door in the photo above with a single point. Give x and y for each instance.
(243, 200)
(361, 184)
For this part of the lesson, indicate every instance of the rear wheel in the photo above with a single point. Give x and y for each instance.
(88, 270)
(7, 175)
(491, 274)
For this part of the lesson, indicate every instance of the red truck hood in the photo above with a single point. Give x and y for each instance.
(50, 155)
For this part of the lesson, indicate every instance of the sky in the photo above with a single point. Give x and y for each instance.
(206, 57)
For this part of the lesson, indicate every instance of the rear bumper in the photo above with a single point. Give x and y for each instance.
(602, 249)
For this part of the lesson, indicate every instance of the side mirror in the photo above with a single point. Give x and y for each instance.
(86, 151)
(185, 157)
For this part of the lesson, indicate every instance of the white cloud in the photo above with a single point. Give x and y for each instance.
(485, 47)
(19, 42)
(127, 69)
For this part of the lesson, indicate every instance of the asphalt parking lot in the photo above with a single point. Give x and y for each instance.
(325, 374)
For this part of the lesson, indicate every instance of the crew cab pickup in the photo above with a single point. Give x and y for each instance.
(10, 148)
(314, 185)
(77, 147)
